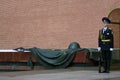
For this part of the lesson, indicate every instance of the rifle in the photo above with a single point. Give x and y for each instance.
(100, 62)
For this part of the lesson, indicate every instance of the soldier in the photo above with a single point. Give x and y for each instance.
(105, 44)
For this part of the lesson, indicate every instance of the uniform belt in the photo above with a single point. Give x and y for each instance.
(106, 40)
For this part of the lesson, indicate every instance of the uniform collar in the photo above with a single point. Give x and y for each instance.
(105, 28)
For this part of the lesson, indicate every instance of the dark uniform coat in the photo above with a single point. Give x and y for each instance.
(105, 40)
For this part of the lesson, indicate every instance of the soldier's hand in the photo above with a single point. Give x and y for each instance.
(111, 49)
(99, 48)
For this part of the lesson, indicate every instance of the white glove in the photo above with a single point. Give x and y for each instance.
(111, 49)
(99, 48)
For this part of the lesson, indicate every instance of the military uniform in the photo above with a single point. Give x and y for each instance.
(105, 42)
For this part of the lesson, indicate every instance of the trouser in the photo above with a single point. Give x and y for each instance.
(106, 56)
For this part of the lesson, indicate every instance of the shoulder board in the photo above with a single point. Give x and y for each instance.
(110, 29)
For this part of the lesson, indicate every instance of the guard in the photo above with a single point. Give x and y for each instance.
(105, 44)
